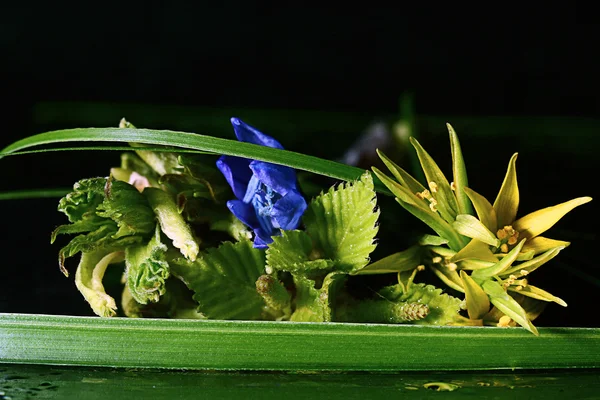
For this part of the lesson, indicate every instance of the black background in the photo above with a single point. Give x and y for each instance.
(498, 59)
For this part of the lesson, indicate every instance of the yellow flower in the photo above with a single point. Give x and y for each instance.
(498, 249)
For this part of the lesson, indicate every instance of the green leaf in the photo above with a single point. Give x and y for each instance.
(471, 227)
(443, 308)
(342, 223)
(293, 252)
(101, 238)
(88, 280)
(459, 171)
(446, 201)
(224, 280)
(147, 270)
(172, 223)
(193, 141)
(315, 305)
(406, 260)
(114, 213)
(228, 346)
(81, 203)
(275, 295)
(126, 206)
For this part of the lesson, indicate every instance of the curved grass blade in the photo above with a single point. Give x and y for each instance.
(197, 142)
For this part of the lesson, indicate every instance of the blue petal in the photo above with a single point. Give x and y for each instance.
(244, 212)
(248, 134)
(279, 178)
(288, 210)
(237, 172)
(261, 243)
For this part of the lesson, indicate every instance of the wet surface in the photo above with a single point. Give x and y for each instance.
(53, 382)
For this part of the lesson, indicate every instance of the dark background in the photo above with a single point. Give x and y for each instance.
(66, 66)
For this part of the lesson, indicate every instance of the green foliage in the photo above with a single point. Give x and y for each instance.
(147, 270)
(224, 280)
(343, 223)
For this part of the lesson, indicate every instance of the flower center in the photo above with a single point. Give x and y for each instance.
(508, 237)
(262, 198)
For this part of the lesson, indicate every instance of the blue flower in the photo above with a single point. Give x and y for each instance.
(268, 199)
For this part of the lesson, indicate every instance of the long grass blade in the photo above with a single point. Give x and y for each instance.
(288, 346)
(195, 142)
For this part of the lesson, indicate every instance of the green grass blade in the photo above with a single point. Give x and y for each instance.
(287, 346)
(34, 194)
(195, 142)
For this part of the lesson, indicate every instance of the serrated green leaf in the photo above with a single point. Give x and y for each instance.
(443, 308)
(342, 223)
(315, 305)
(406, 260)
(459, 171)
(293, 252)
(128, 208)
(224, 280)
(147, 270)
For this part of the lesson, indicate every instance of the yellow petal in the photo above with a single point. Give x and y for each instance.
(485, 211)
(449, 277)
(540, 244)
(533, 264)
(406, 260)
(437, 223)
(540, 221)
(478, 303)
(446, 202)
(472, 265)
(470, 226)
(475, 250)
(459, 171)
(500, 266)
(508, 305)
(507, 201)
(539, 294)
(401, 175)
(400, 191)
(532, 307)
